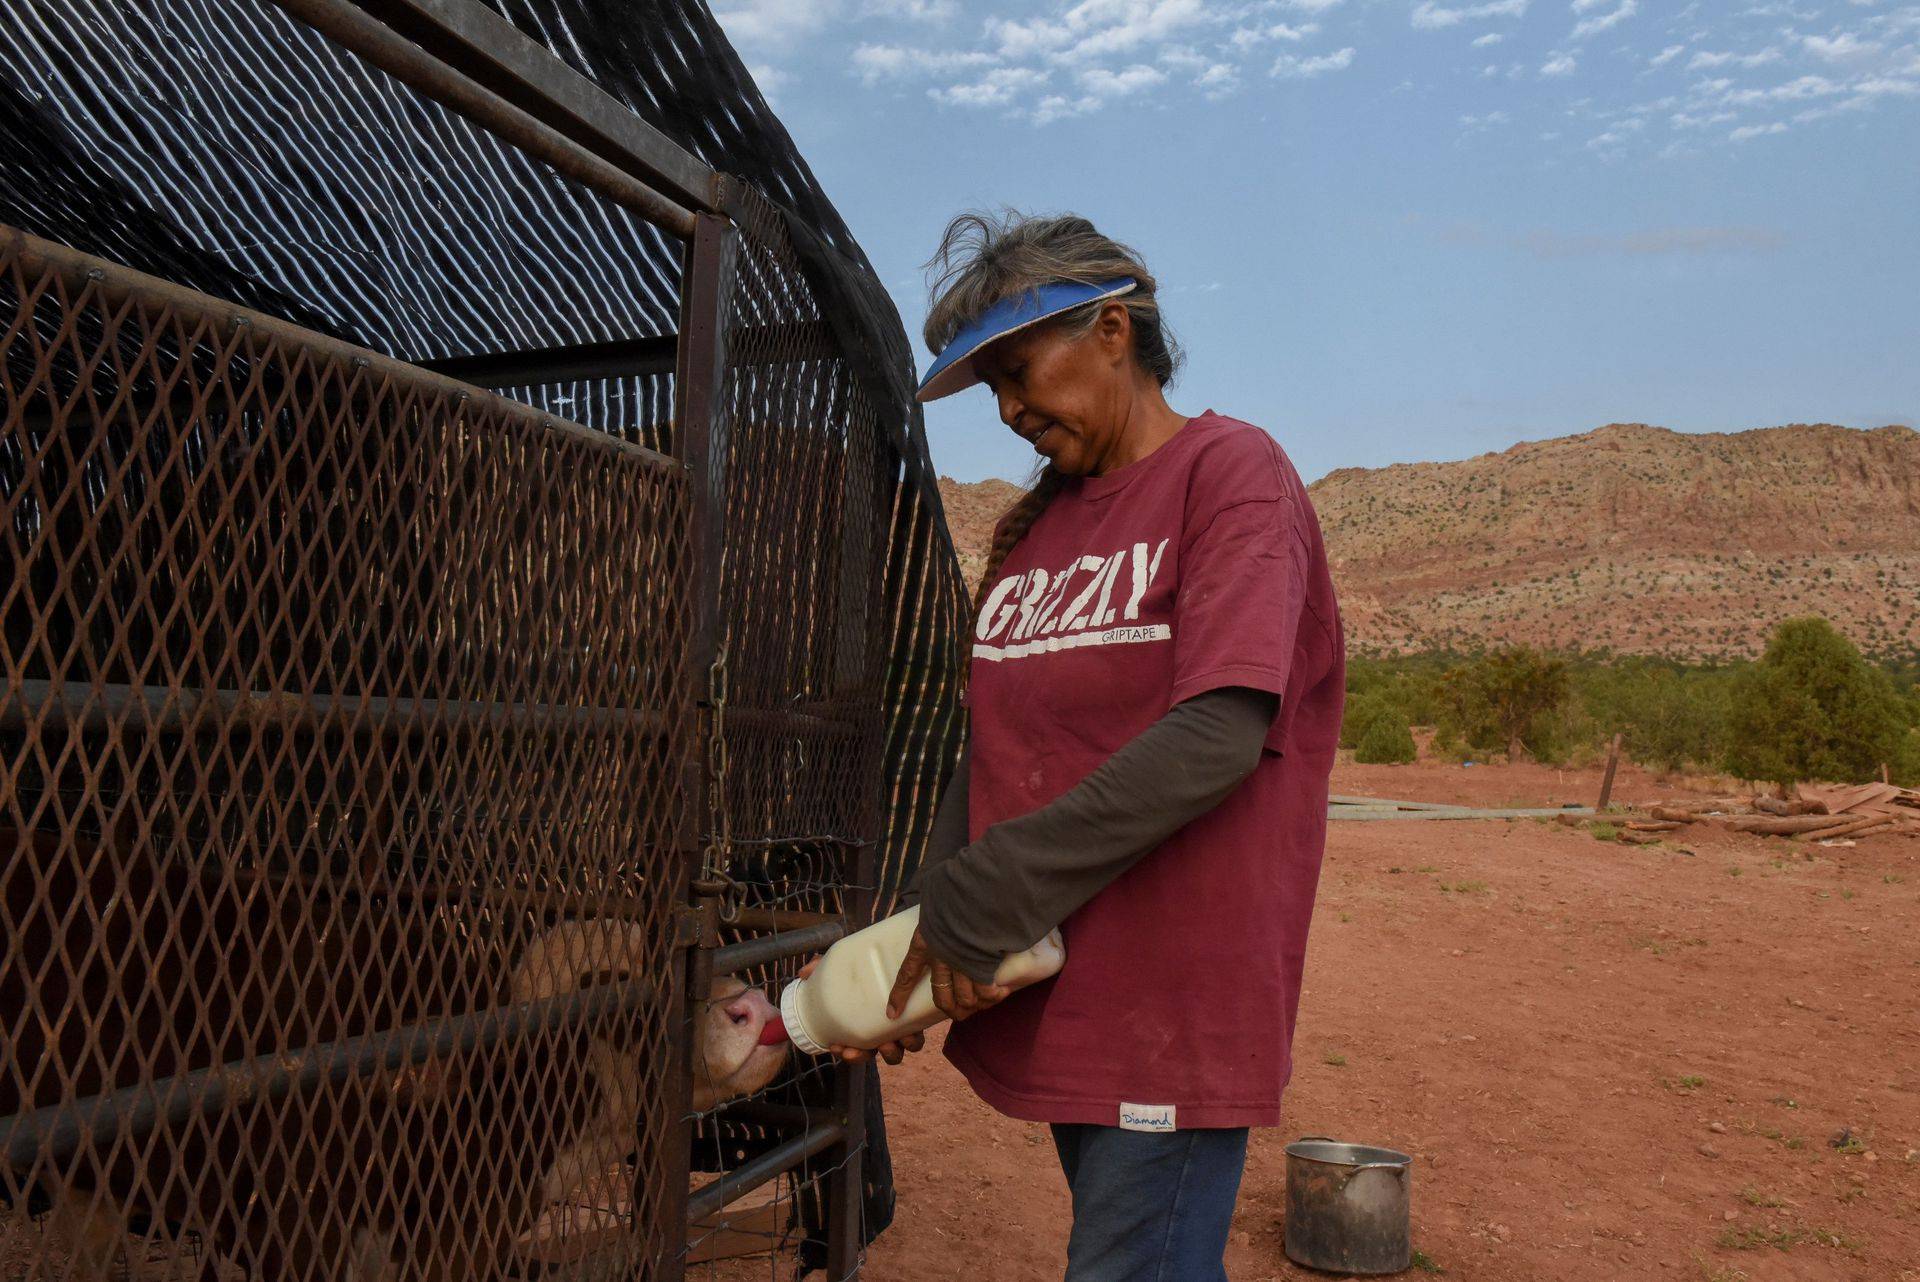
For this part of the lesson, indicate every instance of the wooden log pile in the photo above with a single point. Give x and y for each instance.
(1816, 813)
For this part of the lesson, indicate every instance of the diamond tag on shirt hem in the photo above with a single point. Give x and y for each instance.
(1146, 1117)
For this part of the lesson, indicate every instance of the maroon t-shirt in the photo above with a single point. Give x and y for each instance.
(1196, 567)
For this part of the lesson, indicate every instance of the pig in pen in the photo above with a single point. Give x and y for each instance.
(477, 616)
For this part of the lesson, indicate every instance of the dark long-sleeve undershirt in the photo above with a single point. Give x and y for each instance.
(1026, 875)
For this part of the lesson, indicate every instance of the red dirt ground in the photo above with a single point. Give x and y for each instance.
(1610, 1062)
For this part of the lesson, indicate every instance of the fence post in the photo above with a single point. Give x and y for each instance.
(699, 441)
(1606, 783)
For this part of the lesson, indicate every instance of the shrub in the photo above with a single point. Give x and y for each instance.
(1507, 699)
(1362, 711)
(1672, 713)
(1387, 742)
(1812, 708)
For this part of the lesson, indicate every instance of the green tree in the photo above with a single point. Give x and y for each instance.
(1507, 699)
(1387, 742)
(1812, 708)
(1670, 716)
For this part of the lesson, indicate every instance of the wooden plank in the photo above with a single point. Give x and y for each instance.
(1454, 812)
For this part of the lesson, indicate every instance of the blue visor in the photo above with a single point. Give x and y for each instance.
(953, 369)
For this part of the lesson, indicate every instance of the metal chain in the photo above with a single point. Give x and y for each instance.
(718, 851)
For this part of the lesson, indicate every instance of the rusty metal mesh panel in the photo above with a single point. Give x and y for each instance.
(928, 630)
(797, 788)
(339, 746)
(808, 474)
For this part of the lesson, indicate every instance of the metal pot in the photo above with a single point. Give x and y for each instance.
(1348, 1207)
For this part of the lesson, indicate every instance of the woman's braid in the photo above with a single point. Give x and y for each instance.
(1014, 526)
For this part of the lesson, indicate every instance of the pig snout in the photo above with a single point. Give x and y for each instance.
(735, 1060)
(750, 1011)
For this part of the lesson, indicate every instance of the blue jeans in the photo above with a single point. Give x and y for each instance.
(1150, 1206)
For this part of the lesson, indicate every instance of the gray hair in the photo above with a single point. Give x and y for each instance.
(985, 258)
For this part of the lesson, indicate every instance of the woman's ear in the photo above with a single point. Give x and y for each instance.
(1114, 329)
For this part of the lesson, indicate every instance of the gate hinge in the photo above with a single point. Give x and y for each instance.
(696, 925)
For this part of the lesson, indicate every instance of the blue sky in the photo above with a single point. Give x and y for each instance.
(1398, 230)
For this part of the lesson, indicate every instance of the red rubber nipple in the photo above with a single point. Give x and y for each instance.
(774, 1033)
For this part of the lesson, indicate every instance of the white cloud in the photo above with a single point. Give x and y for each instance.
(1311, 6)
(1666, 55)
(1219, 80)
(1845, 47)
(1601, 22)
(1431, 15)
(1710, 58)
(1491, 38)
(1098, 28)
(1248, 37)
(1056, 107)
(997, 88)
(1481, 122)
(1745, 132)
(936, 11)
(895, 62)
(1101, 83)
(772, 22)
(769, 79)
(1289, 67)
(1883, 86)
(1795, 90)
(1027, 39)
(1561, 64)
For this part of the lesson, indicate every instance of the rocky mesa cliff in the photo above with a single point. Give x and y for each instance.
(1630, 538)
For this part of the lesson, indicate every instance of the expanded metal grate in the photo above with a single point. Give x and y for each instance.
(344, 715)
(389, 771)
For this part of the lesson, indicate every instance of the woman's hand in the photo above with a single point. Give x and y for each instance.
(891, 1052)
(956, 995)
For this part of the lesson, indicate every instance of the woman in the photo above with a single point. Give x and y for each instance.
(1156, 685)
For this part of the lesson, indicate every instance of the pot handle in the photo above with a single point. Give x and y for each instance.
(1326, 1139)
(1398, 1168)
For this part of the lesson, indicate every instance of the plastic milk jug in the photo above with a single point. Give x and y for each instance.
(844, 1001)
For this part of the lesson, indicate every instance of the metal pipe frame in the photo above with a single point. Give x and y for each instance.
(699, 376)
(88, 707)
(120, 284)
(481, 44)
(758, 951)
(775, 1161)
(625, 358)
(381, 46)
(58, 1129)
(783, 1116)
(847, 1186)
(584, 363)
(545, 904)
(771, 919)
(92, 708)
